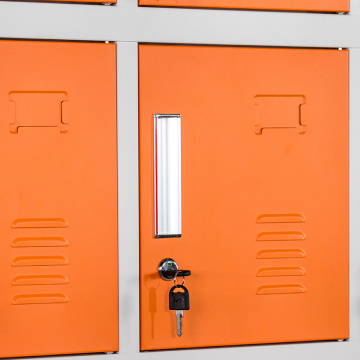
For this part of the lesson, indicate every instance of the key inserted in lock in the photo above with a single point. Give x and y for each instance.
(178, 300)
(169, 270)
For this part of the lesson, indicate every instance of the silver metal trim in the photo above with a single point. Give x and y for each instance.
(167, 175)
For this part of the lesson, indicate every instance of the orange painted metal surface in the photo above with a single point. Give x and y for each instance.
(58, 198)
(291, 5)
(264, 197)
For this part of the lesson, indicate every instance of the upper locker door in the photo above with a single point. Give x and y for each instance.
(300, 5)
(264, 182)
(58, 198)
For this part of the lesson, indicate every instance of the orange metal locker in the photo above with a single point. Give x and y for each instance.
(301, 5)
(58, 198)
(264, 184)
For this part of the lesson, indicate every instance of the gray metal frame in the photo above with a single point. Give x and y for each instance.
(128, 24)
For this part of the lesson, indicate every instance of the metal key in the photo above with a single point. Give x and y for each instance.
(179, 301)
(179, 315)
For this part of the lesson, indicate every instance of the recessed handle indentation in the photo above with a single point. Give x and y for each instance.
(38, 109)
(279, 112)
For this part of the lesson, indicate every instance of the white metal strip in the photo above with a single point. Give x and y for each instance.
(167, 175)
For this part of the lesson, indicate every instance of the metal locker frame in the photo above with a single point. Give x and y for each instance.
(127, 24)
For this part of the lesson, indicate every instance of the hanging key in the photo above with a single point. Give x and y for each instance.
(179, 301)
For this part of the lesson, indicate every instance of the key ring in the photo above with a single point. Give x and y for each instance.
(183, 282)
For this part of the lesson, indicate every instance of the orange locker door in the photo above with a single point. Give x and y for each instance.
(58, 197)
(303, 5)
(264, 184)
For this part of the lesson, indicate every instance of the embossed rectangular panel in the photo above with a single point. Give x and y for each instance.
(290, 5)
(58, 198)
(264, 194)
